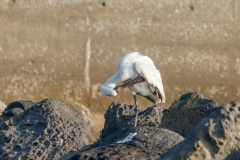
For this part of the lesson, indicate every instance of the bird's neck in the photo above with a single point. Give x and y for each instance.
(114, 79)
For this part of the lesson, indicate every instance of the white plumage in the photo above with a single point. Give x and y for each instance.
(139, 74)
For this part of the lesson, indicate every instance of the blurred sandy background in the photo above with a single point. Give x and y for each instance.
(66, 49)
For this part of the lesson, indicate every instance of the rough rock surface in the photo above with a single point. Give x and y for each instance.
(181, 117)
(184, 114)
(2, 106)
(149, 143)
(152, 140)
(47, 130)
(216, 137)
(119, 116)
(15, 108)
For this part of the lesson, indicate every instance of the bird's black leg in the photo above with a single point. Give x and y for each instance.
(136, 104)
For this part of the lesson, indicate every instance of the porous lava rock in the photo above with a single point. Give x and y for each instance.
(119, 116)
(217, 136)
(15, 108)
(185, 113)
(149, 143)
(46, 130)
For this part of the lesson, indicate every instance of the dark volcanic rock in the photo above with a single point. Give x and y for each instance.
(181, 117)
(15, 108)
(216, 137)
(149, 143)
(152, 140)
(184, 114)
(119, 116)
(47, 130)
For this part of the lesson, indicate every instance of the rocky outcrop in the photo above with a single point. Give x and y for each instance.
(151, 140)
(185, 113)
(146, 143)
(2, 106)
(119, 116)
(53, 129)
(46, 130)
(181, 117)
(16, 108)
(148, 140)
(216, 137)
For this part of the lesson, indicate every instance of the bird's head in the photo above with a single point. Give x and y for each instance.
(108, 91)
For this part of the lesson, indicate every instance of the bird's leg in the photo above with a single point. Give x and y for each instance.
(136, 104)
(138, 79)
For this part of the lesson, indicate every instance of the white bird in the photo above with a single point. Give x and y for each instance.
(139, 74)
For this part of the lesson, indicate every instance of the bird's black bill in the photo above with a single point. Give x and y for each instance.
(120, 87)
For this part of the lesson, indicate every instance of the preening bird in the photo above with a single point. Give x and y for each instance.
(139, 74)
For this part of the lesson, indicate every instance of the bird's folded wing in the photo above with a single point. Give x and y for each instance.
(152, 76)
